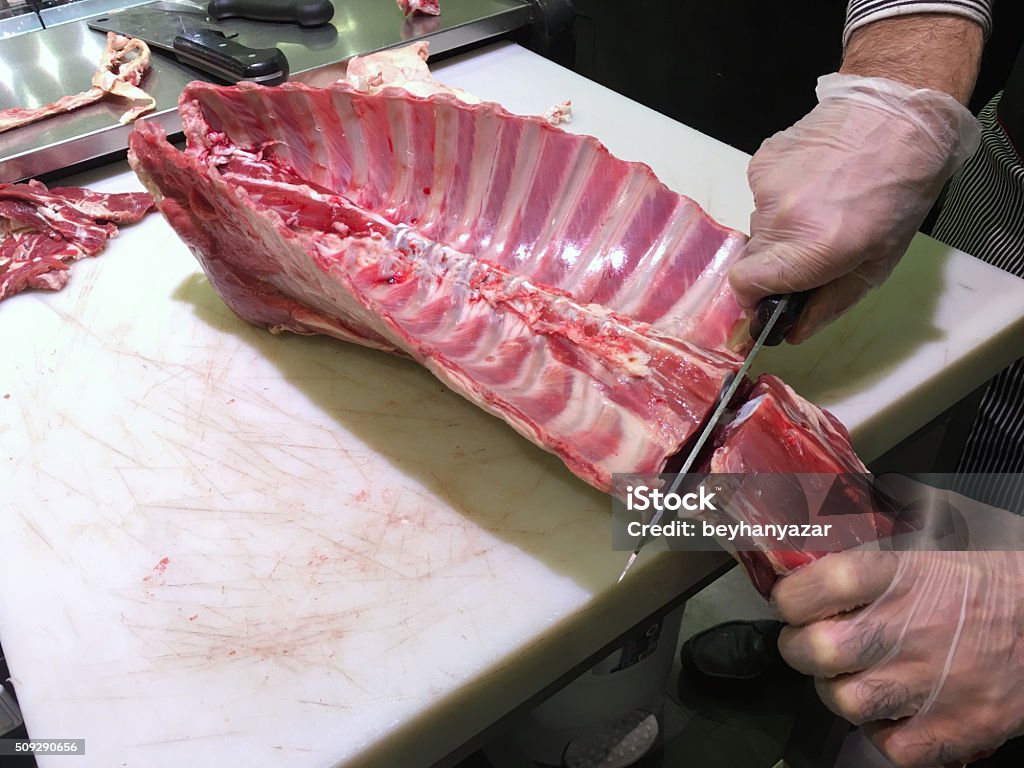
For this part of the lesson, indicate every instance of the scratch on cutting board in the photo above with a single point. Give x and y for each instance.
(68, 420)
(282, 586)
(175, 371)
(192, 735)
(32, 526)
(285, 628)
(213, 376)
(242, 631)
(59, 480)
(70, 319)
(115, 522)
(300, 452)
(331, 704)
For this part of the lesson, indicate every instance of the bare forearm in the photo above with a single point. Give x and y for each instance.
(926, 50)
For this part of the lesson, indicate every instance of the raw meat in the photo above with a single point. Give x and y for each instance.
(560, 113)
(797, 466)
(563, 290)
(124, 62)
(43, 229)
(430, 7)
(519, 275)
(404, 67)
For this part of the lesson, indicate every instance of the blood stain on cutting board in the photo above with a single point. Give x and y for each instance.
(258, 595)
(158, 569)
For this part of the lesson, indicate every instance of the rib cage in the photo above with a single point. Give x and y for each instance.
(535, 200)
(372, 218)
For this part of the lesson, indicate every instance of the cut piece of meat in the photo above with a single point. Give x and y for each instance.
(43, 229)
(604, 392)
(121, 208)
(122, 65)
(802, 469)
(404, 67)
(430, 7)
(560, 113)
(776, 430)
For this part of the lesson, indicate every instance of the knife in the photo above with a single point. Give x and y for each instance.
(305, 13)
(198, 44)
(773, 318)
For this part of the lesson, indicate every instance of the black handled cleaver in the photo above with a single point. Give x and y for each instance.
(305, 13)
(197, 43)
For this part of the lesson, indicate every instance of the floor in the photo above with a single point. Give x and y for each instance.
(717, 732)
(699, 729)
(702, 730)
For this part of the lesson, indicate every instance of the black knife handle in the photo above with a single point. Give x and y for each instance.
(765, 309)
(224, 58)
(305, 13)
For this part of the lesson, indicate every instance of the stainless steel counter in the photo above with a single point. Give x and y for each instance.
(40, 67)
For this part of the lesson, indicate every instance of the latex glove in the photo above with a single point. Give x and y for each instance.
(839, 195)
(923, 648)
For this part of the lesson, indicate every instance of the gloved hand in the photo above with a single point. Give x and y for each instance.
(923, 648)
(839, 195)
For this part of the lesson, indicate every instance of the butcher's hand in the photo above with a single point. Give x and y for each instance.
(839, 195)
(923, 648)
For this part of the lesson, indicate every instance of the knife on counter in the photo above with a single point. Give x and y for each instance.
(305, 13)
(190, 32)
(773, 319)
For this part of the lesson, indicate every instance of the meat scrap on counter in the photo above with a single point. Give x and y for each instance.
(122, 66)
(429, 7)
(44, 229)
(560, 113)
(406, 68)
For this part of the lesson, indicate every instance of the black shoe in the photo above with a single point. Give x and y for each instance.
(734, 657)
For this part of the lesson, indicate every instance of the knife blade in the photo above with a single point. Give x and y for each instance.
(305, 13)
(773, 318)
(198, 45)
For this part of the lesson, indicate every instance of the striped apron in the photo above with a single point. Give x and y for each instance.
(982, 213)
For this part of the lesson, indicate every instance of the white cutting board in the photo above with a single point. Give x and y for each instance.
(361, 568)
